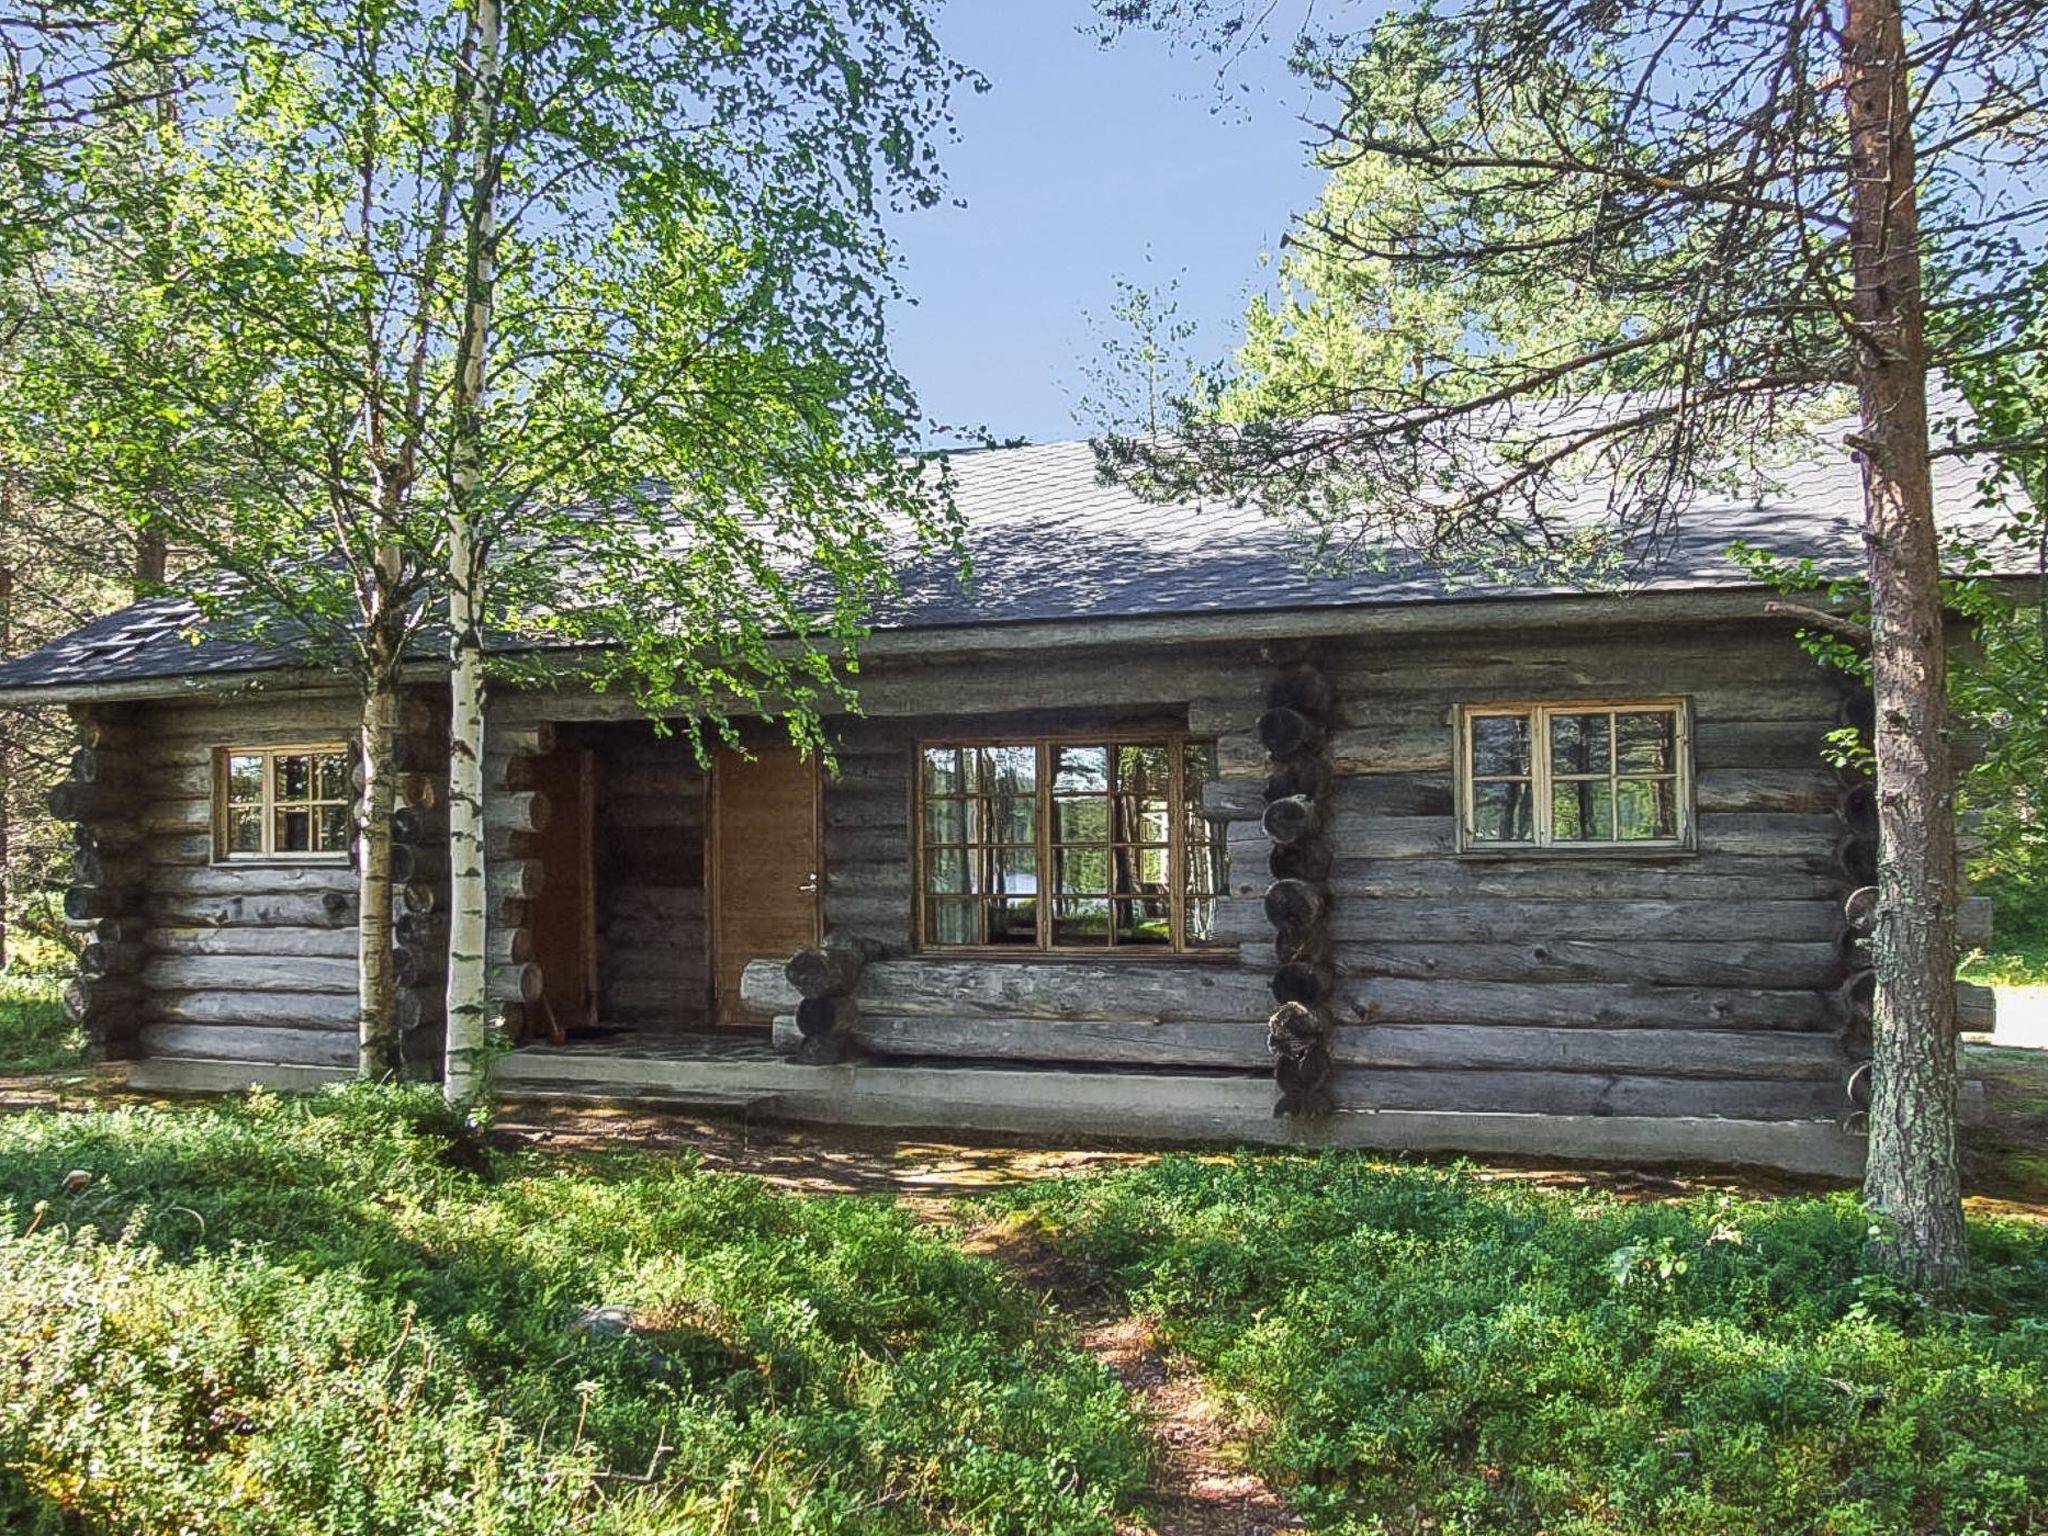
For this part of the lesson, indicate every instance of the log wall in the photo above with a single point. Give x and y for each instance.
(1710, 983)
(1702, 983)
(257, 962)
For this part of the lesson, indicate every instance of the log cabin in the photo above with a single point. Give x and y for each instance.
(1161, 831)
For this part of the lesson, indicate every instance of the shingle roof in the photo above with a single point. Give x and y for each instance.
(1050, 541)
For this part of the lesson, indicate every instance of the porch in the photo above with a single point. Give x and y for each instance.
(738, 1073)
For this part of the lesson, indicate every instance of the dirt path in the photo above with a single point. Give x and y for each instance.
(1200, 1485)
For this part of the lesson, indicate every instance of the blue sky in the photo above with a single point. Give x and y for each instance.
(1078, 161)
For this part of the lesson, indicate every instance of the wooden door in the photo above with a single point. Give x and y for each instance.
(565, 913)
(764, 867)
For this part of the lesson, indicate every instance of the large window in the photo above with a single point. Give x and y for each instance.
(1066, 845)
(282, 802)
(1577, 775)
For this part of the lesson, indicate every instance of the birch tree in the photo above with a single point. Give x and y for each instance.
(1751, 209)
(550, 324)
(235, 356)
(676, 439)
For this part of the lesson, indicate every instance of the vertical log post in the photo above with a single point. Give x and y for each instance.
(514, 876)
(825, 1012)
(105, 895)
(1295, 731)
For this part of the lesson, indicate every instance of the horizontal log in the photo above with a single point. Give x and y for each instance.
(1768, 1055)
(1286, 733)
(315, 943)
(124, 928)
(513, 982)
(1497, 920)
(1576, 1093)
(1234, 799)
(84, 802)
(508, 771)
(1859, 909)
(1226, 714)
(294, 1010)
(1290, 820)
(1308, 860)
(819, 1016)
(100, 958)
(89, 999)
(1722, 742)
(1665, 1054)
(178, 849)
(1293, 904)
(514, 879)
(298, 909)
(254, 880)
(1810, 789)
(1150, 990)
(1705, 877)
(1763, 833)
(1624, 1004)
(517, 810)
(1306, 690)
(816, 973)
(510, 946)
(1974, 918)
(89, 904)
(1309, 777)
(251, 973)
(252, 1043)
(1976, 1008)
(420, 930)
(1301, 981)
(1765, 964)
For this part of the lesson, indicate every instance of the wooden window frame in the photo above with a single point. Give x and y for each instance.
(1541, 844)
(222, 854)
(1179, 946)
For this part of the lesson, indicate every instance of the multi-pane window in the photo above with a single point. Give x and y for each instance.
(1575, 775)
(1070, 845)
(282, 802)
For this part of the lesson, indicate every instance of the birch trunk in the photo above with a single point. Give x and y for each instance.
(463, 1070)
(1911, 1175)
(376, 986)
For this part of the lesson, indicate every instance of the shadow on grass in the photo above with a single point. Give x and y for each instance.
(1434, 1347)
(321, 1313)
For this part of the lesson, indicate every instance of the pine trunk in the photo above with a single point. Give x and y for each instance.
(1912, 1175)
(463, 1069)
(377, 1022)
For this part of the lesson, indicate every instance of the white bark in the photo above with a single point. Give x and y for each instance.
(463, 1068)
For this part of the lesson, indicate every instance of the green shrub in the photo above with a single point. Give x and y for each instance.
(1433, 1350)
(341, 1316)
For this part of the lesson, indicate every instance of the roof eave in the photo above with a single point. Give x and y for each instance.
(1530, 611)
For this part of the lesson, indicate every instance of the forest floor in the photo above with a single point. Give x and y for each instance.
(781, 1329)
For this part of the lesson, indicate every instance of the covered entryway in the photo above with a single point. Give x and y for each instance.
(764, 867)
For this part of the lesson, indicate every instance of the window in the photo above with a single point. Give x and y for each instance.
(1066, 845)
(1579, 775)
(282, 802)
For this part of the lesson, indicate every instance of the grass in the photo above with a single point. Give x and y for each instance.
(1430, 1350)
(343, 1315)
(34, 1034)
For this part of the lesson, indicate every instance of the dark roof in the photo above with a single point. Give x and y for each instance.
(1049, 541)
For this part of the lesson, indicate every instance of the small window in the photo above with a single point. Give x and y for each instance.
(1579, 775)
(282, 802)
(1067, 845)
